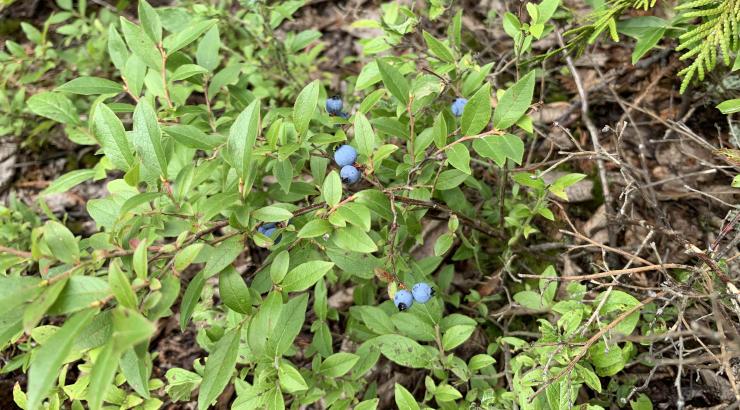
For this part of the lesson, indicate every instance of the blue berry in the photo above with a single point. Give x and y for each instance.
(422, 292)
(403, 299)
(344, 115)
(334, 105)
(269, 230)
(266, 227)
(345, 155)
(458, 106)
(349, 174)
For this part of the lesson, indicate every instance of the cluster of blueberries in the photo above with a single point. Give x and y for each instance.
(269, 230)
(345, 157)
(421, 293)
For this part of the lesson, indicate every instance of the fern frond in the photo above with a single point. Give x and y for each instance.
(719, 30)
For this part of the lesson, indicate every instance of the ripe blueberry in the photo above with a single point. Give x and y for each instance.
(345, 155)
(458, 106)
(349, 174)
(344, 115)
(334, 105)
(269, 230)
(422, 292)
(403, 299)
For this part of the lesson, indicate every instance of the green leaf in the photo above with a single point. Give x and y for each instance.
(233, 291)
(288, 325)
(141, 261)
(90, 86)
(500, 147)
(221, 256)
(219, 368)
(514, 103)
(438, 48)
(121, 286)
(356, 214)
(305, 275)
(272, 214)
(459, 157)
(134, 368)
(450, 179)
(181, 383)
(403, 351)
(364, 135)
(79, 293)
(148, 139)
(370, 100)
(242, 137)
(304, 107)
(480, 361)
(439, 128)
(443, 244)
(102, 374)
(138, 200)
(729, 106)
(141, 45)
(150, 21)
(181, 39)
(117, 48)
(456, 335)
(354, 239)
(208, 55)
(332, 189)
(445, 392)
(375, 319)
(642, 403)
(411, 325)
(394, 81)
(404, 399)
(34, 312)
(279, 266)
(263, 322)
(54, 106)
(48, 359)
(314, 228)
(190, 299)
(186, 71)
(647, 43)
(338, 364)
(477, 112)
(112, 136)
(290, 379)
(192, 137)
(61, 242)
(588, 376)
(367, 405)
(68, 181)
(130, 328)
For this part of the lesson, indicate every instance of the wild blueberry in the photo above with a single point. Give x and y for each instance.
(345, 155)
(334, 105)
(403, 299)
(458, 106)
(266, 227)
(349, 174)
(422, 292)
(269, 230)
(344, 115)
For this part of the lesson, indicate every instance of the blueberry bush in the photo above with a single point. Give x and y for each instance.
(280, 215)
